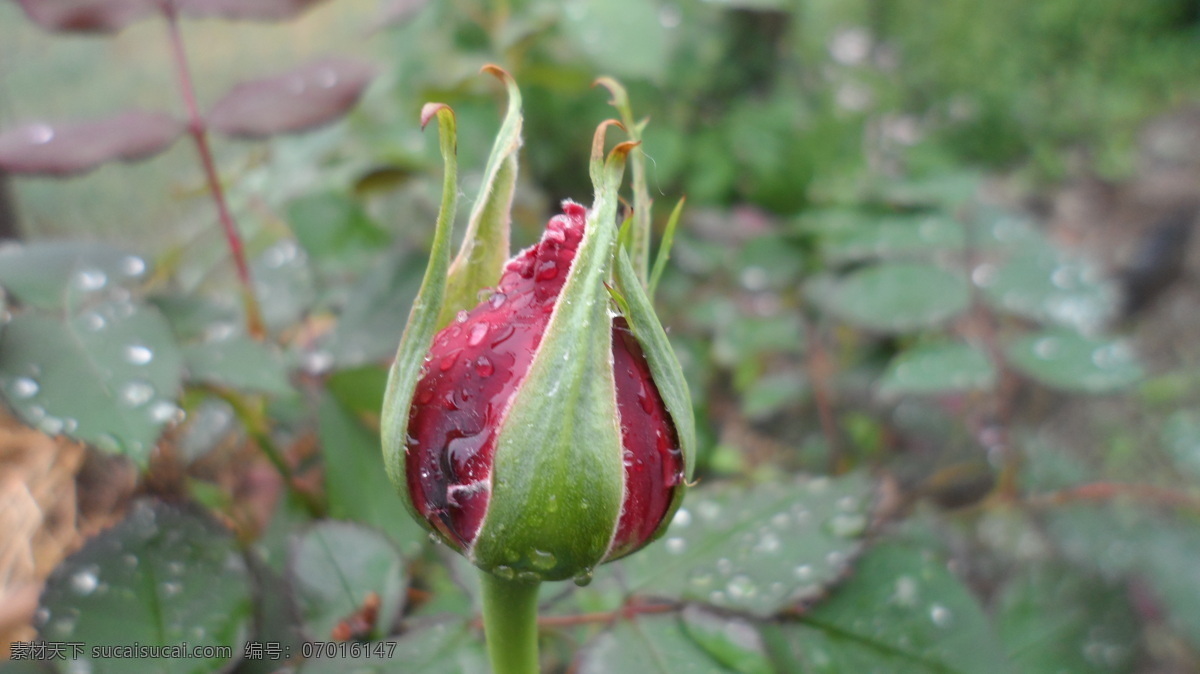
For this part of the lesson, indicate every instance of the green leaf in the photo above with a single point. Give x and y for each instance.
(54, 274)
(1057, 619)
(758, 550)
(938, 368)
(1071, 361)
(150, 581)
(734, 642)
(239, 363)
(109, 376)
(334, 229)
(335, 566)
(283, 283)
(902, 612)
(484, 249)
(1181, 438)
(864, 237)
(195, 317)
(442, 648)
(892, 296)
(355, 482)
(621, 37)
(1039, 284)
(647, 645)
(375, 313)
(359, 390)
(1121, 540)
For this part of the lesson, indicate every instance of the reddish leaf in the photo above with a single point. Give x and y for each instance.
(299, 99)
(254, 10)
(85, 16)
(64, 148)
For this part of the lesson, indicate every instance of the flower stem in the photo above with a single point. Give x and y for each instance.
(510, 624)
(199, 133)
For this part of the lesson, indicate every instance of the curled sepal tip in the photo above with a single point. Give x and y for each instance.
(484, 249)
(620, 99)
(596, 167)
(430, 109)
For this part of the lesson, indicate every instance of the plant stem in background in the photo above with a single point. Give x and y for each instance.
(510, 624)
(198, 131)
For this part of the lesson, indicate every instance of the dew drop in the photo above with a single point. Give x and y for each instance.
(171, 588)
(40, 134)
(547, 270)
(136, 393)
(164, 411)
(85, 581)
(905, 593)
(484, 366)
(478, 333)
(504, 572)
(767, 544)
(540, 559)
(803, 572)
(138, 354)
(584, 579)
(133, 266)
(461, 316)
(1046, 348)
(682, 519)
(940, 615)
(529, 576)
(741, 587)
(92, 321)
(497, 300)
(90, 279)
(676, 545)
(24, 388)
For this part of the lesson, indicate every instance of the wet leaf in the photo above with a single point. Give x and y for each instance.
(62, 148)
(355, 482)
(649, 645)
(283, 282)
(238, 363)
(62, 274)
(109, 376)
(1181, 438)
(938, 368)
(758, 550)
(734, 642)
(902, 612)
(1039, 284)
(440, 648)
(86, 16)
(298, 100)
(359, 390)
(892, 296)
(1071, 361)
(150, 581)
(864, 237)
(335, 566)
(1061, 620)
(194, 317)
(1120, 541)
(375, 313)
(334, 229)
(641, 51)
(254, 10)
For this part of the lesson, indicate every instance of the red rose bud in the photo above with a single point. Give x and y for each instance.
(546, 429)
(478, 363)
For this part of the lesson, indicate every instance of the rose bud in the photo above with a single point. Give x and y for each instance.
(542, 426)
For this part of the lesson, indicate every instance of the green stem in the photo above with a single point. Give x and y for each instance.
(510, 624)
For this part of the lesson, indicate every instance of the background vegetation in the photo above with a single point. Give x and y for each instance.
(931, 292)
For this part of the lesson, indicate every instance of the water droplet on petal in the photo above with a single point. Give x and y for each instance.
(484, 366)
(479, 332)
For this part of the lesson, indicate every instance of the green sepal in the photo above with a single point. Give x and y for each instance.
(664, 370)
(423, 317)
(664, 248)
(484, 250)
(639, 244)
(558, 479)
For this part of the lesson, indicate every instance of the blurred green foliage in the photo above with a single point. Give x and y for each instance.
(843, 299)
